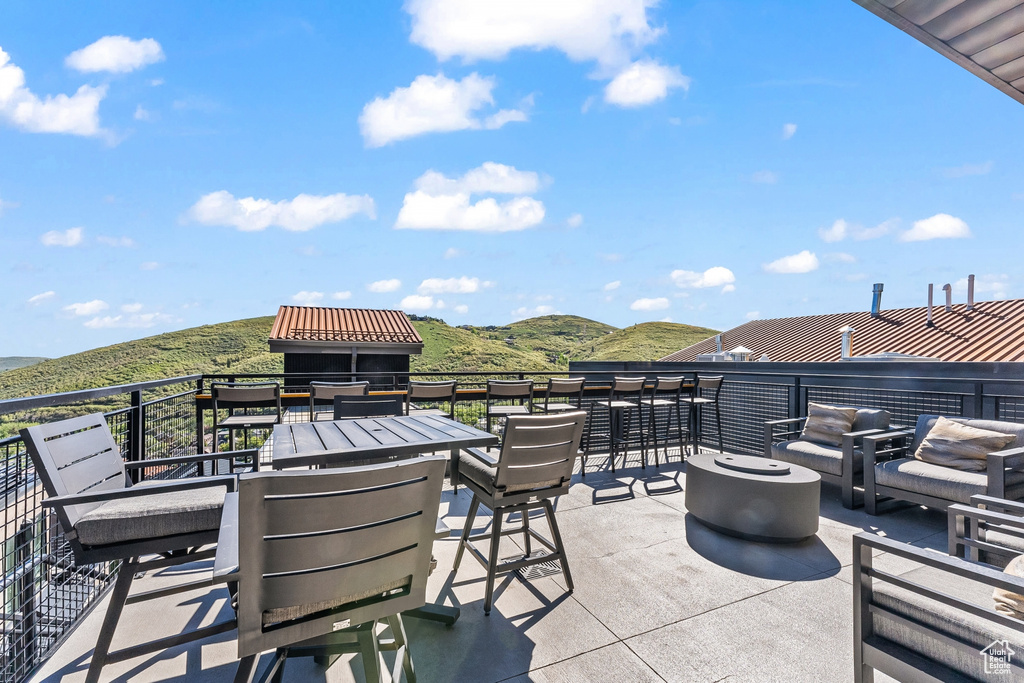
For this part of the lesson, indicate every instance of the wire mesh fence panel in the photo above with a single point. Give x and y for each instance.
(169, 430)
(745, 407)
(903, 405)
(1010, 408)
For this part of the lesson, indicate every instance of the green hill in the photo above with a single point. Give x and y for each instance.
(12, 362)
(647, 341)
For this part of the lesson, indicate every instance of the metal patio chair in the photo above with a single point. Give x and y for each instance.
(323, 393)
(534, 465)
(431, 393)
(232, 396)
(106, 518)
(667, 397)
(568, 388)
(706, 392)
(624, 406)
(383, 405)
(327, 556)
(517, 391)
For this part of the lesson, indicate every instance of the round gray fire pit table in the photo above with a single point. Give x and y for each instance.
(754, 498)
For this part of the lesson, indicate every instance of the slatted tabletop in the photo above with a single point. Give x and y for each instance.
(335, 443)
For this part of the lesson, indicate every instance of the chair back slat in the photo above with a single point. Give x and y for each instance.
(229, 395)
(559, 387)
(668, 384)
(75, 456)
(709, 384)
(322, 547)
(346, 407)
(539, 449)
(509, 389)
(326, 391)
(444, 391)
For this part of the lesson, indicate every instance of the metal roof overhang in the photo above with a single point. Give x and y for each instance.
(986, 37)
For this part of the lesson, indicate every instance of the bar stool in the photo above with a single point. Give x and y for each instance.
(569, 388)
(624, 403)
(518, 391)
(699, 399)
(667, 394)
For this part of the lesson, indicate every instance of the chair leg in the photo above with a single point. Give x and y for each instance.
(125, 576)
(466, 531)
(556, 536)
(526, 531)
(280, 659)
(246, 669)
(369, 648)
(492, 562)
(401, 640)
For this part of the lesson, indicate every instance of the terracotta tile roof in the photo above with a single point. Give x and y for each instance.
(315, 323)
(993, 331)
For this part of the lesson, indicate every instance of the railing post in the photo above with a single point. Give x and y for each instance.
(136, 434)
(25, 628)
(795, 400)
(200, 428)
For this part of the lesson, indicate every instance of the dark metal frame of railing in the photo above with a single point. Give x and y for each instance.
(44, 595)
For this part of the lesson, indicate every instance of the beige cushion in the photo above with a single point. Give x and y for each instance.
(1011, 604)
(827, 424)
(963, 447)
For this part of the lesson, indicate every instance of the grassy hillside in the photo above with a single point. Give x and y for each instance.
(561, 337)
(12, 362)
(647, 341)
(453, 349)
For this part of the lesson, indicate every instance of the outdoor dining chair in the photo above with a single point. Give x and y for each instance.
(384, 405)
(321, 393)
(264, 397)
(330, 554)
(706, 393)
(145, 527)
(568, 389)
(431, 393)
(508, 397)
(667, 398)
(623, 409)
(534, 465)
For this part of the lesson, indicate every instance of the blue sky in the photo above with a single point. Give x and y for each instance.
(706, 162)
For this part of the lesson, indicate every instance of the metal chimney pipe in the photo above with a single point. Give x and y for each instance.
(876, 300)
(970, 292)
(847, 351)
(948, 289)
(931, 290)
(718, 343)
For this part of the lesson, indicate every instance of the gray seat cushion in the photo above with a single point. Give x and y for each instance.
(816, 456)
(977, 632)
(483, 475)
(146, 517)
(937, 481)
(870, 418)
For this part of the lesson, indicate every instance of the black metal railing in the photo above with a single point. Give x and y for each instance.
(44, 594)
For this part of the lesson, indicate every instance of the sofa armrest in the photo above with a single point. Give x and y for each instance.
(999, 504)
(771, 436)
(252, 456)
(966, 527)
(873, 454)
(997, 464)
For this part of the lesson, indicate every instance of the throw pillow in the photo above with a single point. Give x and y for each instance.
(827, 424)
(960, 446)
(1011, 604)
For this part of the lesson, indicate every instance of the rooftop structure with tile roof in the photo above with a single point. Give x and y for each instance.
(317, 329)
(990, 331)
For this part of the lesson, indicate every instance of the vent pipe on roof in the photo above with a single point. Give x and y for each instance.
(970, 292)
(931, 290)
(718, 343)
(876, 300)
(948, 289)
(847, 341)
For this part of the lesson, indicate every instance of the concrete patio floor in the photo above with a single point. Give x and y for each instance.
(658, 597)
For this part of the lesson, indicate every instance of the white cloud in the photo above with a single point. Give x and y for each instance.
(841, 229)
(305, 298)
(939, 226)
(417, 302)
(433, 104)
(804, 262)
(841, 257)
(753, 315)
(131, 308)
(968, 170)
(71, 237)
(452, 252)
(611, 286)
(788, 130)
(116, 241)
(657, 304)
(149, 265)
(644, 82)
(986, 287)
(462, 308)
(442, 203)
(488, 178)
(117, 54)
(612, 258)
(666, 319)
(606, 32)
(384, 286)
(156, 82)
(526, 312)
(142, 114)
(75, 115)
(575, 220)
(883, 228)
(305, 212)
(765, 177)
(87, 308)
(712, 277)
(128, 320)
(835, 233)
(341, 296)
(728, 288)
(41, 297)
(452, 285)
(587, 104)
